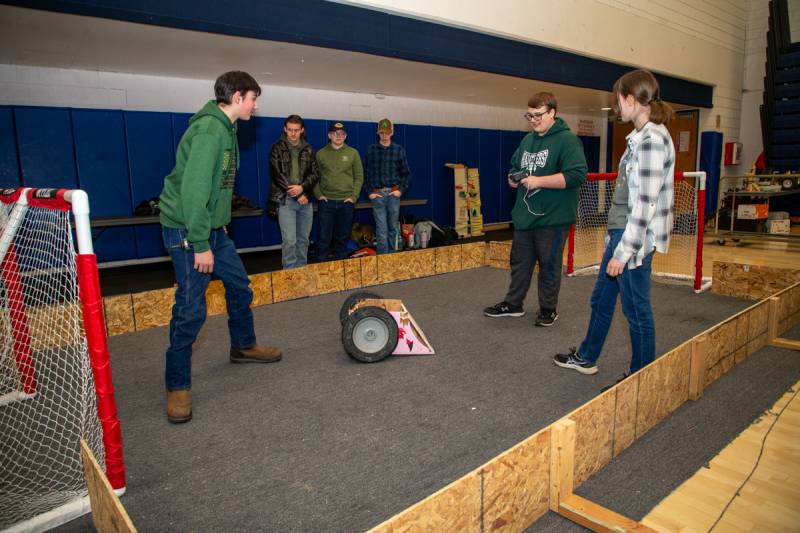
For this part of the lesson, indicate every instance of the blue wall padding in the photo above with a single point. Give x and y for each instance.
(121, 158)
(102, 163)
(710, 161)
(444, 149)
(9, 163)
(46, 151)
(492, 175)
(591, 149)
(150, 157)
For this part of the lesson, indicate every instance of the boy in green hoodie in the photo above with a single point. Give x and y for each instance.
(195, 207)
(341, 177)
(547, 200)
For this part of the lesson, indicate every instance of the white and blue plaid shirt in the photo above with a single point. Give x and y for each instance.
(650, 168)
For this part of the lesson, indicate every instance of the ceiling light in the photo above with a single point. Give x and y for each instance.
(605, 109)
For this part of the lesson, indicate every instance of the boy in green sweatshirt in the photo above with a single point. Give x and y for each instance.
(547, 200)
(195, 207)
(341, 177)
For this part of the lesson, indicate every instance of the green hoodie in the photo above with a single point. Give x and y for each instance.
(558, 150)
(197, 193)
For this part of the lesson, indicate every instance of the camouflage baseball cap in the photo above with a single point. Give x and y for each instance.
(385, 124)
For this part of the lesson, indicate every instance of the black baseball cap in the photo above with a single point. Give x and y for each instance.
(336, 126)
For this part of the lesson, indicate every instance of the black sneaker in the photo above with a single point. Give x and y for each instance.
(574, 361)
(546, 318)
(623, 378)
(504, 309)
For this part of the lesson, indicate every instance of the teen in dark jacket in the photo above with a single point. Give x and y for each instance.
(294, 173)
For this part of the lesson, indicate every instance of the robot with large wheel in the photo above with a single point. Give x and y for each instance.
(373, 328)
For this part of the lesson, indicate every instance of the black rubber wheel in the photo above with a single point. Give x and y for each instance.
(369, 334)
(352, 300)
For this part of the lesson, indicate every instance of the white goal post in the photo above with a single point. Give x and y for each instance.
(684, 260)
(55, 375)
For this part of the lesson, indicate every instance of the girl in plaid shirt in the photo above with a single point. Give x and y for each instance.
(639, 224)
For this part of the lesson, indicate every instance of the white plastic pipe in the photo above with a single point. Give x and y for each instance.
(80, 210)
(17, 215)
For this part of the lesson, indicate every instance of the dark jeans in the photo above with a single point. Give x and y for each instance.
(335, 224)
(633, 288)
(545, 246)
(189, 311)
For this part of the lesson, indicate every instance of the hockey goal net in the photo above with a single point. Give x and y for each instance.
(683, 262)
(55, 378)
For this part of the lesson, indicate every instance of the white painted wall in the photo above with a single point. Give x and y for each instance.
(38, 86)
(753, 85)
(705, 41)
(794, 20)
(698, 40)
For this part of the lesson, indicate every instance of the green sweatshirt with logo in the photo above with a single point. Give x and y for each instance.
(197, 193)
(341, 173)
(558, 150)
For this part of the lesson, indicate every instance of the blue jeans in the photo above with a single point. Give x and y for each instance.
(386, 212)
(189, 311)
(335, 224)
(295, 222)
(633, 287)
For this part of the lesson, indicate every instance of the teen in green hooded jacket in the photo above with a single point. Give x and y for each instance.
(547, 199)
(195, 209)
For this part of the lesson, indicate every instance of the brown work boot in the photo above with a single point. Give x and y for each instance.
(256, 354)
(179, 406)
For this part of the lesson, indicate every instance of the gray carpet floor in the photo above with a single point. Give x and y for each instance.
(319, 442)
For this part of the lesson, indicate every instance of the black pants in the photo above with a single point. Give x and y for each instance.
(543, 246)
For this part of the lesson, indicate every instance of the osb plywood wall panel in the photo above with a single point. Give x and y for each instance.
(153, 309)
(721, 350)
(54, 325)
(663, 387)
(766, 281)
(751, 281)
(290, 284)
(516, 485)
(119, 314)
(757, 327)
(262, 288)
(625, 413)
(215, 298)
(473, 255)
(789, 310)
(456, 507)
(369, 271)
(448, 259)
(407, 265)
(423, 262)
(324, 278)
(594, 427)
(729, 279)
(352, 274)
(499, 255)
(742, 330)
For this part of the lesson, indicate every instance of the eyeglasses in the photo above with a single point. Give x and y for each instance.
(339, 133)
(535, 116)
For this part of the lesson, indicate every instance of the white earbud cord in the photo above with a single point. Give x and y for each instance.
(529, 194)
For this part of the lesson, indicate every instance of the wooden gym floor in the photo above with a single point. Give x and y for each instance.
(752, 485)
